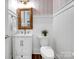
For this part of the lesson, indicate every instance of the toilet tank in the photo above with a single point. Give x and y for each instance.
(43, 41)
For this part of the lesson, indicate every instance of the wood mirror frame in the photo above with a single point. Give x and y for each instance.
(20, 18)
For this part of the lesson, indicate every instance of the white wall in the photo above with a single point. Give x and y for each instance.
(63, 31)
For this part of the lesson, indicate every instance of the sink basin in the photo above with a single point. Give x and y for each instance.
(24, 33)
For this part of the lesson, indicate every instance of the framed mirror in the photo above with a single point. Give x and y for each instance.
(25, 18)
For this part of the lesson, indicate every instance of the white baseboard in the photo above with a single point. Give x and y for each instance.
(36, 51)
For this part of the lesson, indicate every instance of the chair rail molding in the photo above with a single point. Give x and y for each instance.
(66, 7)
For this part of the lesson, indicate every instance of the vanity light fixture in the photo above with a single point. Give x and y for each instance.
(24, 1)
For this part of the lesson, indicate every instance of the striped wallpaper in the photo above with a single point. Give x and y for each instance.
(48, 7)
(43, 7)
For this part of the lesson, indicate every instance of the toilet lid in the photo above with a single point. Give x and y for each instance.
(47, 51)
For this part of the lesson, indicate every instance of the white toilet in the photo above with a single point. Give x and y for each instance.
(46, 51)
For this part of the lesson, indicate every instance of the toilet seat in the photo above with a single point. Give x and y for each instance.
(47, 51)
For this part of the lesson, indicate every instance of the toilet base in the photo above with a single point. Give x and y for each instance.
(47, 52)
